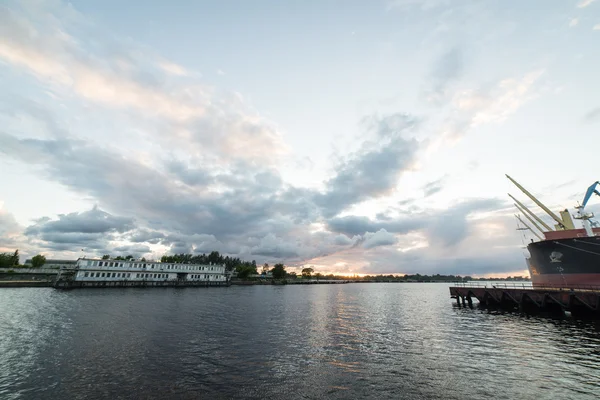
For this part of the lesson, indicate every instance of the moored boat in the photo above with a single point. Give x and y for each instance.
(563, 256)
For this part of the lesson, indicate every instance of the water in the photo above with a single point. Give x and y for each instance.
(378, 341)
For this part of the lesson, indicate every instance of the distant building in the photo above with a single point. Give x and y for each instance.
(55, 263)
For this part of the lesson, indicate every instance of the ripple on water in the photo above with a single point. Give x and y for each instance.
(318, 341)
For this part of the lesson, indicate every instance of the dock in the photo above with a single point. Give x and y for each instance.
(581, 301)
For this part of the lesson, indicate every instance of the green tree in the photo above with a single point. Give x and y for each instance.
(15, 258)
(265, 269)
(120, 258)
(278, 271)
(307, 272)
(106, 257)
(244, 271)
(129, 257)
(38, 261)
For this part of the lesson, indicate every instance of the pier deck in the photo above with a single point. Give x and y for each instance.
(579, 301)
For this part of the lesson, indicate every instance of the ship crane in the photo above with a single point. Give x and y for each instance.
(582, 215)
(564, 222)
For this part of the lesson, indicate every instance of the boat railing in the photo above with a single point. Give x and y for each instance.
(527, 285)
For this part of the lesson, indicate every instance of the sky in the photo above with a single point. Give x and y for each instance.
(357, 137)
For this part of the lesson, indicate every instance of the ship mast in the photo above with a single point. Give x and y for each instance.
(530, 219)
(561, 223)
(526, 211)
(528, 227)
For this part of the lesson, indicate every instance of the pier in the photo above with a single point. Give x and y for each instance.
(580, 301)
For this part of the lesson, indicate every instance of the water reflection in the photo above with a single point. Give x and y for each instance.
(316, 341)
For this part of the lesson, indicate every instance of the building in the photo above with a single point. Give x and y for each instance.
(98, 270)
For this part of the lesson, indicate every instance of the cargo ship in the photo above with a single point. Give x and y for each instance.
(563, 256)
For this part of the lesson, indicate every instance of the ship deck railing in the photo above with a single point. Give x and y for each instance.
(527, 285)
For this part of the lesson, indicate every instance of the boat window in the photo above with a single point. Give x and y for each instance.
(86, 274)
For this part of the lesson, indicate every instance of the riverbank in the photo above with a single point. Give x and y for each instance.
(27, 277)
(27, 283)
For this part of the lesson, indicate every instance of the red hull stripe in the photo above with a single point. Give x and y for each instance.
(566, 280)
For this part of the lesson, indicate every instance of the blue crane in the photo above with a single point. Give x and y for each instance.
(591, 190)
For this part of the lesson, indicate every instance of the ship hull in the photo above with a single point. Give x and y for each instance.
(565, 263)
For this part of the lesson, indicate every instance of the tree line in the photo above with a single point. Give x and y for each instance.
(11, 260)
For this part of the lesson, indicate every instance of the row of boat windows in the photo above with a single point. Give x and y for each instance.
(151, 266)
(107, 274)
(128, 275)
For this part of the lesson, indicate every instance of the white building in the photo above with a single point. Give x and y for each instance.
(97, 270)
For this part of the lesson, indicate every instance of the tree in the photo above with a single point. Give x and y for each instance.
(120, 258)
(38, 261)
(143, 259)
(265, 269)
(278, 271)
(9, 260)
(244, 271)
(15, 258)
(129, 257)
(214, 257)
(307, 272)
(106, 257)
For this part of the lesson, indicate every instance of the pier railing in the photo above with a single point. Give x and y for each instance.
(527, 285)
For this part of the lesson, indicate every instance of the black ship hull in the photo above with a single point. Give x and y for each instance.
(565, 263)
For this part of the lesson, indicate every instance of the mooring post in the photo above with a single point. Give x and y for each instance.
(470, 301)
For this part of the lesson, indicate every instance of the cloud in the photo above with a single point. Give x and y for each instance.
(379, 238)
(92, 221)
(91, 230)
(126, 78)
(201, 170)
(434, 187)
(10, 231)
(585, 3)
(592, 115)
(374, 169)
(173, 68)
(596, 27)
(423, 4)
(447, 69)
(573, 22)
(471, 108)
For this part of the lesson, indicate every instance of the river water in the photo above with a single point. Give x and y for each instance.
(376, 341)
